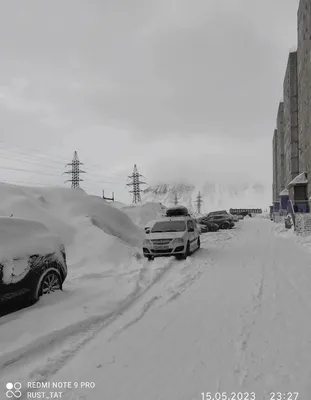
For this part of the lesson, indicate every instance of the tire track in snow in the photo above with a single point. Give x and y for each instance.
(247, 327)
(144, 310)
(66, 342)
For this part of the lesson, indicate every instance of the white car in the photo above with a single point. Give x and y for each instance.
(175, 236)
(149, 225)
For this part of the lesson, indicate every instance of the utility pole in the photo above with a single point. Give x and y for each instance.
(136, 185)
(75, 172)
(199, 202)
(175, 199)
(108, 198)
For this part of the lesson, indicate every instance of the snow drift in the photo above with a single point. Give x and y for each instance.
(143, 213)
(102, 246)
(70, 213)
(20, 239)
(19, 236)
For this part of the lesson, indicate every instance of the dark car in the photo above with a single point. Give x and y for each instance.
(223, 221)
(220, 212)
(32, 260)
(209, 226)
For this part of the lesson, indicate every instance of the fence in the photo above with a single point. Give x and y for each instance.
(303, 224)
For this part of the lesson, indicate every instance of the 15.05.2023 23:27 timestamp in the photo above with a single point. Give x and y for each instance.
(228, 396)
(248, 396)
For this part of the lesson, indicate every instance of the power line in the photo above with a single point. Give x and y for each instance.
(175, 199)
(75, 171)
(199, 202)
(136, 185)
(51, 167)
(61, 164)
(2, 167)
(56, 159)
(27, 182)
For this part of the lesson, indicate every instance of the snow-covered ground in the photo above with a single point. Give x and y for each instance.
(103, 249)
(234, 317)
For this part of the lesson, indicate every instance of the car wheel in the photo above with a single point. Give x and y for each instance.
(225, 225)
(186, 253)
(150, 258)
(50, 281)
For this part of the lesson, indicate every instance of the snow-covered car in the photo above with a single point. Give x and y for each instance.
(175, 235)
(32, 260)
(223, 213)
(208, 226)
(202, 228)
(234, 217)
(223, 221)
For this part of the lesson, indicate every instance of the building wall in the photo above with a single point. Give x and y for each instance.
(274, 156)
(304, 87)
(280, 150)
(291, 142)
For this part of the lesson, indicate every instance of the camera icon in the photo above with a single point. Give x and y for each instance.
(13, 390)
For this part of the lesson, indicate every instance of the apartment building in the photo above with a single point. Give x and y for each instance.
(291, 140)
(280, 157)
(304, 89)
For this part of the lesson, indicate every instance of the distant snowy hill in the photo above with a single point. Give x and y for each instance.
(165, 194)
(214, 195)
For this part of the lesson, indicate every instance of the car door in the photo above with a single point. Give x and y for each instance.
(191, 233)
(197, 230)
(9, 290)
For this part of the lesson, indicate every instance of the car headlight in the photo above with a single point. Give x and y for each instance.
(147, 242)
(178, 241)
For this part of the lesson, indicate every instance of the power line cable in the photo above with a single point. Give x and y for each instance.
(55, 159)
(52, 167)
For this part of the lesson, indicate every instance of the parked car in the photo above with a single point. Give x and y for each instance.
(32, 260)
(209, 226)
(202, 228)
(223, 213)
(220, 212)
(235, 218)
(223, 221)
(175, 235)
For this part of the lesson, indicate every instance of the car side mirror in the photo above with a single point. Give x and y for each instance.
(190, 230)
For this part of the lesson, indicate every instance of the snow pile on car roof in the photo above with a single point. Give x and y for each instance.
(143, 213)
(22, 237)
(92, 230)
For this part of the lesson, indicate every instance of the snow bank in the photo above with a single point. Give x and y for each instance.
(117, 204)
(96, 235)
(64, 211)
(103, 246)
(143, 213)
(25, 237)
(19, 239)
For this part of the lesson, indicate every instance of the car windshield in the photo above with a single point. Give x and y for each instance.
(169, 226)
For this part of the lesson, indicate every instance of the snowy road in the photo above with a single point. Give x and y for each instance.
(233, 317)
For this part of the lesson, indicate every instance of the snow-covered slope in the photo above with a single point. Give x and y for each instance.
(101, 242)
(166, 194)
(142, 213)
(214, 195)
(67, 212)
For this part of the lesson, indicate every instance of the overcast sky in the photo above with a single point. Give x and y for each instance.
(186, 89)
